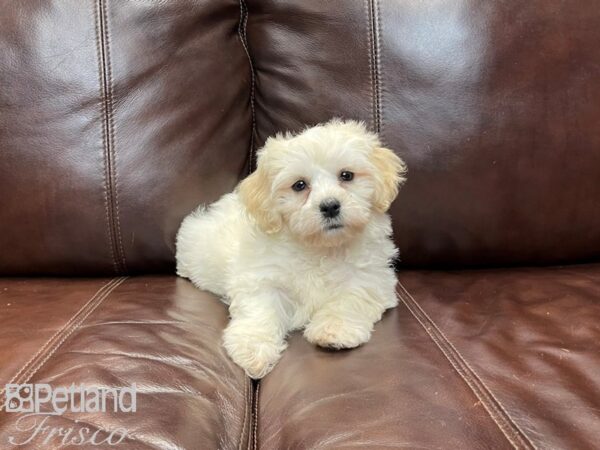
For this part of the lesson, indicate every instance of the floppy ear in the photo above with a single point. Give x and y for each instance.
(255, 194)
(389, 175)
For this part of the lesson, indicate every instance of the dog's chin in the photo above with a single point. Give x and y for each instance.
(330, 235)
(333, 227)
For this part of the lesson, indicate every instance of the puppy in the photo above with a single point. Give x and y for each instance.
(302, 243)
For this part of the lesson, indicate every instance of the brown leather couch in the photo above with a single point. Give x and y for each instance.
(117, 117)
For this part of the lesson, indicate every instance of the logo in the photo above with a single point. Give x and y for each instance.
(38, 398)
(19, 398)
(38, 403)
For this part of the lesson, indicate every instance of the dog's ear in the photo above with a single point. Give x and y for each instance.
(255, 194)
(389, 175)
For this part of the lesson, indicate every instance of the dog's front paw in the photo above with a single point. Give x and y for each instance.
(254, 353)
(335, 332)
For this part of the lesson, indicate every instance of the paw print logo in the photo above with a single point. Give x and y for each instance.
(19, 398)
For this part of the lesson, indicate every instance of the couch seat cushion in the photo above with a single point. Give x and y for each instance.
(473, 359)
(158, 332)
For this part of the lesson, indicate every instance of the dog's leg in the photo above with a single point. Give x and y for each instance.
(345, 321)
(255, 337)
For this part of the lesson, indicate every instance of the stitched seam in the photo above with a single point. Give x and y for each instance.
(374, 62)
(370, 53)
(110, 178)
(255, 417)
(100, 51)
(245, 412)
(492, 405)
(111, 122)
(76, 325)
(463, 376)
(377, 47)
(242, 33)
(58, 338)
(455, 360)
(43, 347)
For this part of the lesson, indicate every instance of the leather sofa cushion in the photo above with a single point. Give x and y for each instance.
(474, 359)
(160, 333)
(117, 118)
(494, 106)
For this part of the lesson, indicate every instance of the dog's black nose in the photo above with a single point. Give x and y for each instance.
(330, 208)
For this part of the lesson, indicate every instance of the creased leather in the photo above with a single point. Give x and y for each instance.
(494, 107)
(158, 332)
(527, 337)
(117, 118)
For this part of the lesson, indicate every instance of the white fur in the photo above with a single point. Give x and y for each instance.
(266, 250)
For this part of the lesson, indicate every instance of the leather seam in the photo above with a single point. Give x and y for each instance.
(111, 121)
(241, 441)
(42, 348)
(108, 138)
(377, 15)
(517, 438)
(255, 417)
(370, 54)
(242, 33)
(374, 62)
(30, 368)
(101, 83)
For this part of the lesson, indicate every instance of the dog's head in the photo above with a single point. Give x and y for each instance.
(322, 185)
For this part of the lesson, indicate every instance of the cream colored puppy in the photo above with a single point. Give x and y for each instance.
(303, 242)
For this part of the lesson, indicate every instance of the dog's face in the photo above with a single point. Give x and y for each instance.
(323, 185)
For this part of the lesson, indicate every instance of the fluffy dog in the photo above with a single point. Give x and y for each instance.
(303, 242)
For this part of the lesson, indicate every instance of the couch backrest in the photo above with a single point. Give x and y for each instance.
(116, 119)
(494, 105)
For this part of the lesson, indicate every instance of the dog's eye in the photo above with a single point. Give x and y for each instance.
(299, 185)
(346, 175)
